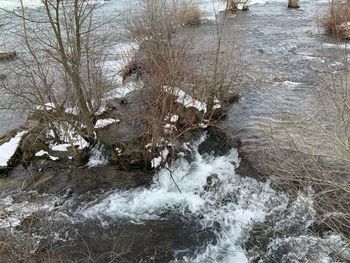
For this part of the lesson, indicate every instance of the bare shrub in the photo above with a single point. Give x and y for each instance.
(337, 17)
(175, 74)
(61, 72)
(189, 13)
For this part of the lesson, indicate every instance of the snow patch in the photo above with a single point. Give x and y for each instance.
(188, 101)
(43, 153)
(69, 136)
(8, 149)
(60, 147)
(157, 161)
(105, 122)
(48, 106)
(169, 129)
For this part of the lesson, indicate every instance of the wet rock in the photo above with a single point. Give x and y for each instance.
(148, 241)
(130, 159)
(217, 143)
(247, 168)
(3, 77)
(213, 183)
(56, 178)
(13, 180)
(7, 55)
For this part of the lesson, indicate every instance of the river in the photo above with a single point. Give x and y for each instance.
(282, 51)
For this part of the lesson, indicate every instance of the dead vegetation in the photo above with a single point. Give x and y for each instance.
(236, 5)
(61, 74)
(63, 82)
(176, 84)
(337, 18)
(311, 154)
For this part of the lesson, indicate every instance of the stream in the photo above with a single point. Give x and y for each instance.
(215, 212)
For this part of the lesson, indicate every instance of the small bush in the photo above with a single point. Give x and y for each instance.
(189, 13)
(337, 19)
(168, 64)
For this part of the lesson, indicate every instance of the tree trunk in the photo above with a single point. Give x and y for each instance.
(293, 4)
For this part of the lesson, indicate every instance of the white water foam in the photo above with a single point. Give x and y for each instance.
(97, 157)
(232, 201)
(212, 192)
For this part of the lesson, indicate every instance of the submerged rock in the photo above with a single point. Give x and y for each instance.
(54, 178)
(8, 55)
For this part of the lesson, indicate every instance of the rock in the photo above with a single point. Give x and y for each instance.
(217, 143)
(153, 241)
(10, 151)
(7, 55)
(55, 177)
(130, 157)
(293, 4)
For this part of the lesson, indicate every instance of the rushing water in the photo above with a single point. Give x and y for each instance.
(212, 194)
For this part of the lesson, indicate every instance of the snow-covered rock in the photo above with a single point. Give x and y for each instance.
(8, 149)
(105, 122)
(42, 153)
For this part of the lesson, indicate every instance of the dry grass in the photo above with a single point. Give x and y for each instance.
(312, 153)
(189, 13)
(337, 18)
(167, 57)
